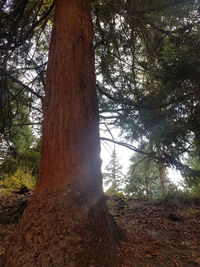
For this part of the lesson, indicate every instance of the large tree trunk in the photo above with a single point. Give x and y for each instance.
(66, 222)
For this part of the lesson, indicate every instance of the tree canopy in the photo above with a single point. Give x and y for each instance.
(147, 69)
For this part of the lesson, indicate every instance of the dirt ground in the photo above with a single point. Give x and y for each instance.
(158, 233)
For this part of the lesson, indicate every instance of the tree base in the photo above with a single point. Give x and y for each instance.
(65, 229)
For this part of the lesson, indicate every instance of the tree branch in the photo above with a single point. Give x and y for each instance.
(135, 105)
(21, 84)
(170, 160)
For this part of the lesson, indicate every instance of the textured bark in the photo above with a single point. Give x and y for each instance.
(163, 176)
(66, 222)
(163, 179)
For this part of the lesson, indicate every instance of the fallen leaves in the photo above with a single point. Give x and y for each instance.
(161, 235)
(154, 238)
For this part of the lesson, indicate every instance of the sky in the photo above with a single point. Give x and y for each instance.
(124, 154)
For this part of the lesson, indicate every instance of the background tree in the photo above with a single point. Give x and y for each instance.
(147, 75)
(143, 177)
(192, 184)
(113, 176)
(20, 147)
(24, 40)
(20, 162)
(146, 61)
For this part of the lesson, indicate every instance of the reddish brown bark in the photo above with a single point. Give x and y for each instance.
(67, 223)
(71, 135)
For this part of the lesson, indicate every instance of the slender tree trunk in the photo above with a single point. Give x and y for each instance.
(66, 222)
(114, 178)
(163, 179)
(163, 175)
(147, 184)
(148, 192)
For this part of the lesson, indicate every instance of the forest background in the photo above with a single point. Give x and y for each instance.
(148, 76)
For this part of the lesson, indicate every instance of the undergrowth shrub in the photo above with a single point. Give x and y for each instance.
(195, 191)
(20, 178)
(176, 198)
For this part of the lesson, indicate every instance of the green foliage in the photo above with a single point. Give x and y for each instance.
(113, 175)
(147, 60)
(8, 166)
(175, 197)
(192, 176)
(21, 138)
(21, 158)
(143, 177)
(25, 27)
(18, 179)
(29, 159)
(179, 197)
(148, 66)
(193, 190)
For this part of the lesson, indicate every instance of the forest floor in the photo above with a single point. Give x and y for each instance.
(158, 233)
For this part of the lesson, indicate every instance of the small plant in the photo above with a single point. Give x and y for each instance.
(178, 197)
(195, 191)
(175, 198)
(20, 178)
